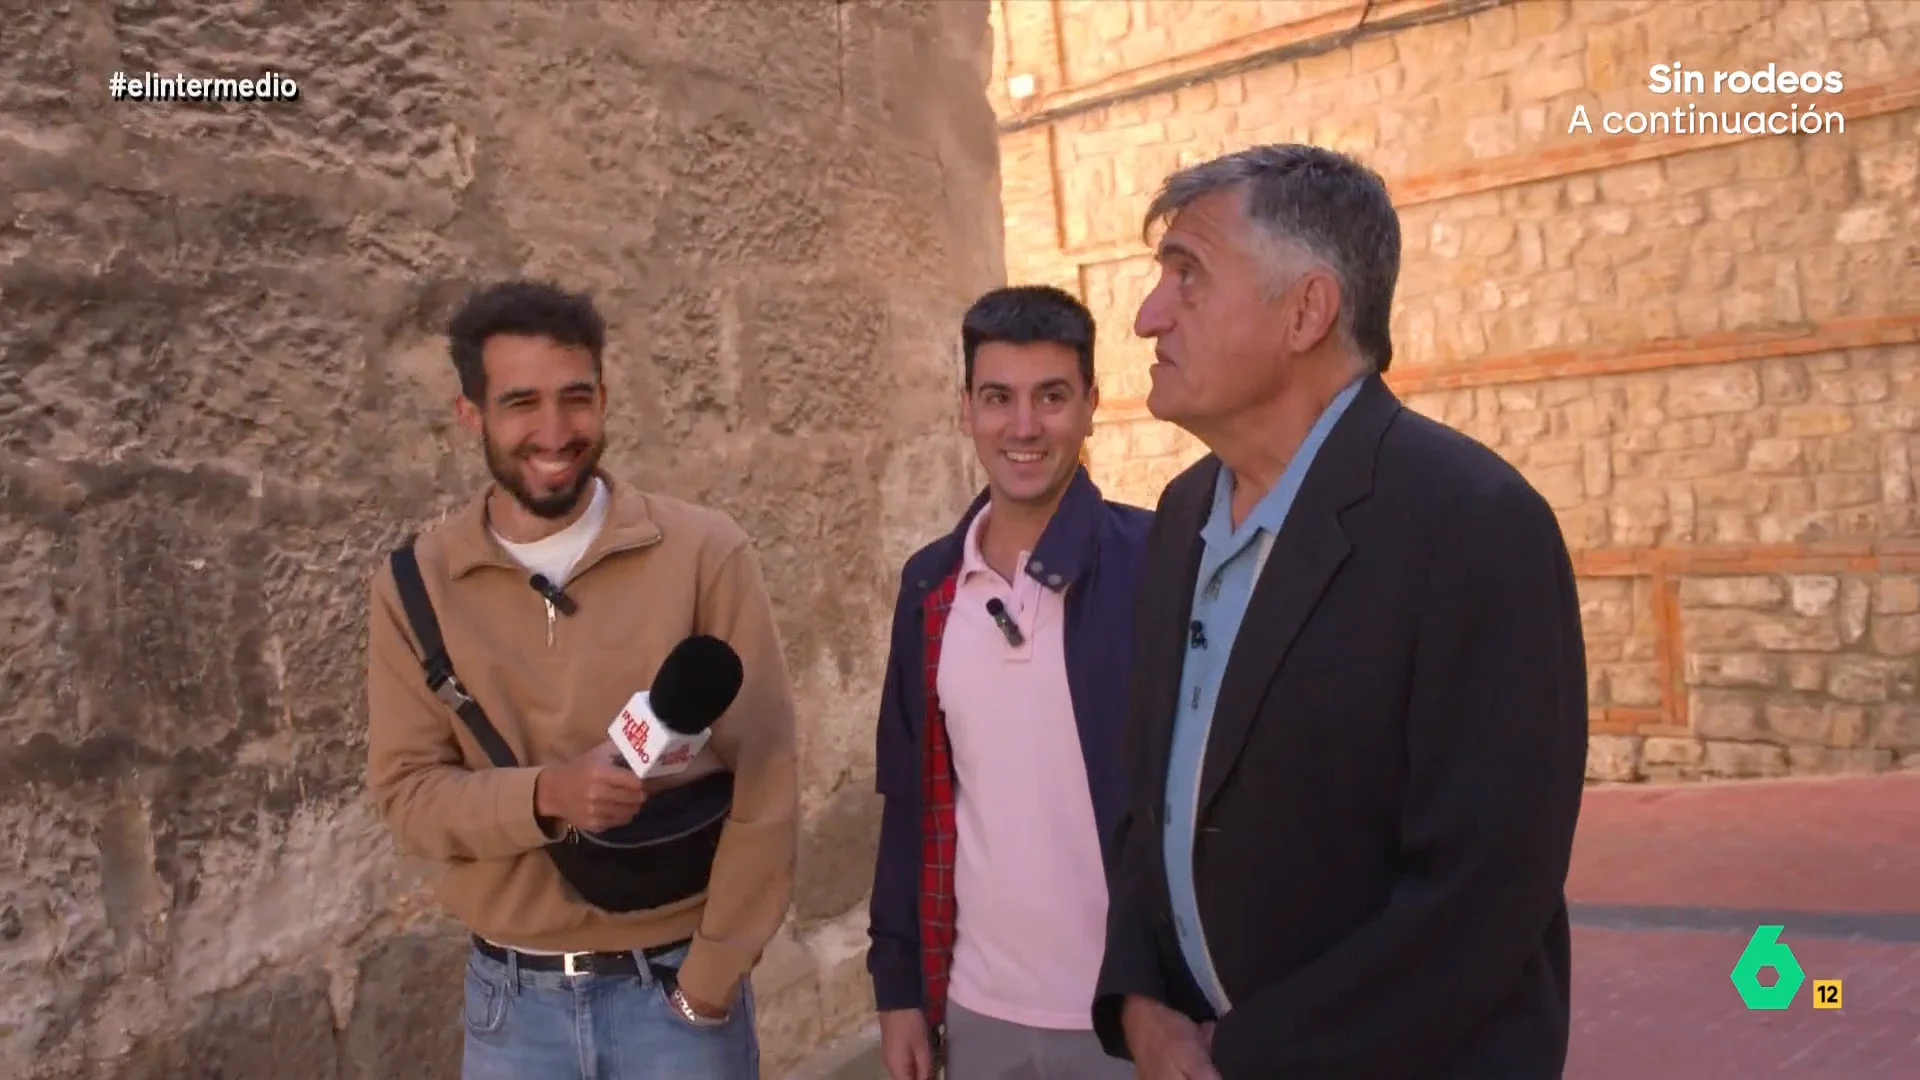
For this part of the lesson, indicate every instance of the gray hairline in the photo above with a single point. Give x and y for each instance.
(1281, 251)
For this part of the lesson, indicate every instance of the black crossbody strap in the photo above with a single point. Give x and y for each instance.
(439, 667)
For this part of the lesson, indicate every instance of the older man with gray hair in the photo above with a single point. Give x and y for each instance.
(1357, 712)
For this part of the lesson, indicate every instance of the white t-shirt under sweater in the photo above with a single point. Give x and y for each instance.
(556, 555)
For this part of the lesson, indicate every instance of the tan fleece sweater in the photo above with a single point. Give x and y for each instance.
(659, 571)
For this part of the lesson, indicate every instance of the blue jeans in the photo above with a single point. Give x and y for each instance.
(546, 1025)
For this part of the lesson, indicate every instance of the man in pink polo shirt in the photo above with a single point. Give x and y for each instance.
(997, 749)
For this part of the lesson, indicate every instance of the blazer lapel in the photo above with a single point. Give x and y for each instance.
(1305, 556)
(1157, 694)
(1309, 550)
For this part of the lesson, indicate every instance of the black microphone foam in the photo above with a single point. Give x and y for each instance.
(696, 683)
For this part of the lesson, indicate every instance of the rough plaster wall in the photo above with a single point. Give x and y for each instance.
(1748, 531)
(223, 393)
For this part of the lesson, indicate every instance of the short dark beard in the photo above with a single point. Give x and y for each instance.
(560, 503)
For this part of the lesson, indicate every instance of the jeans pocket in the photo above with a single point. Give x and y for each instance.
(485, 1008)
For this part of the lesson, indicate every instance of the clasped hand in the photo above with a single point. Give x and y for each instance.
(593, 792)
(1165, 1045)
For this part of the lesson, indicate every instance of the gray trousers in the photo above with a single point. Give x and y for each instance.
(983, 1048)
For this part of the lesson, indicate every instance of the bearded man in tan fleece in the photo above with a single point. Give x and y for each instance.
(554, 596)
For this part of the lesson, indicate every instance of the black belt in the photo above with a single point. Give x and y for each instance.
(580, 963)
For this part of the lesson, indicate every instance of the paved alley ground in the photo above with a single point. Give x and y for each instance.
(1669, 882)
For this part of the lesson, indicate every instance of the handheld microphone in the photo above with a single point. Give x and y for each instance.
(554, 594)
(661, 729)
(1009, 628)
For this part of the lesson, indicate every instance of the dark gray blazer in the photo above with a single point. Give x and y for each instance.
(1394, 771)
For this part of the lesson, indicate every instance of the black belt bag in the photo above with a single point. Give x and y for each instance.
(663, 856)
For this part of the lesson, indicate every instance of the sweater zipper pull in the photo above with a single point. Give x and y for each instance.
(549, 604)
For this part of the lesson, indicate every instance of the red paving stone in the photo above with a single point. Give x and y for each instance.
(1653, 1003)
(1831, 844)
(1656, 1004)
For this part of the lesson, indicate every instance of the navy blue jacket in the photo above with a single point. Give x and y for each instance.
(1095, 550)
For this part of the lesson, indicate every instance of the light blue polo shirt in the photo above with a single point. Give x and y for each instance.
(1229, 565)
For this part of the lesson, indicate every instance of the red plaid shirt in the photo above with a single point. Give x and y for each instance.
(937, 828)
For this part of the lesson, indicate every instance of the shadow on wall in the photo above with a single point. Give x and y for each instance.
(223, 396)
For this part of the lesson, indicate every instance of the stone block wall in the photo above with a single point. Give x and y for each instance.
(1704, 349)
(224, 393)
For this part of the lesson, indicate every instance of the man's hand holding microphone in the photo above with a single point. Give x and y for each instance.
(593, 793)
(656, 734)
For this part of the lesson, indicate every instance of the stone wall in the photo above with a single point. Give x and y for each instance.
(224, 393)
(1700, 347)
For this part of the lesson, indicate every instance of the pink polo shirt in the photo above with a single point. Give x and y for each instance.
(1030, 887)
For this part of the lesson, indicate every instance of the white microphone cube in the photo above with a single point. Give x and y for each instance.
(651, 747)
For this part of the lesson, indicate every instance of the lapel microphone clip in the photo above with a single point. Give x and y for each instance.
(554, 594)
(1005, 622)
